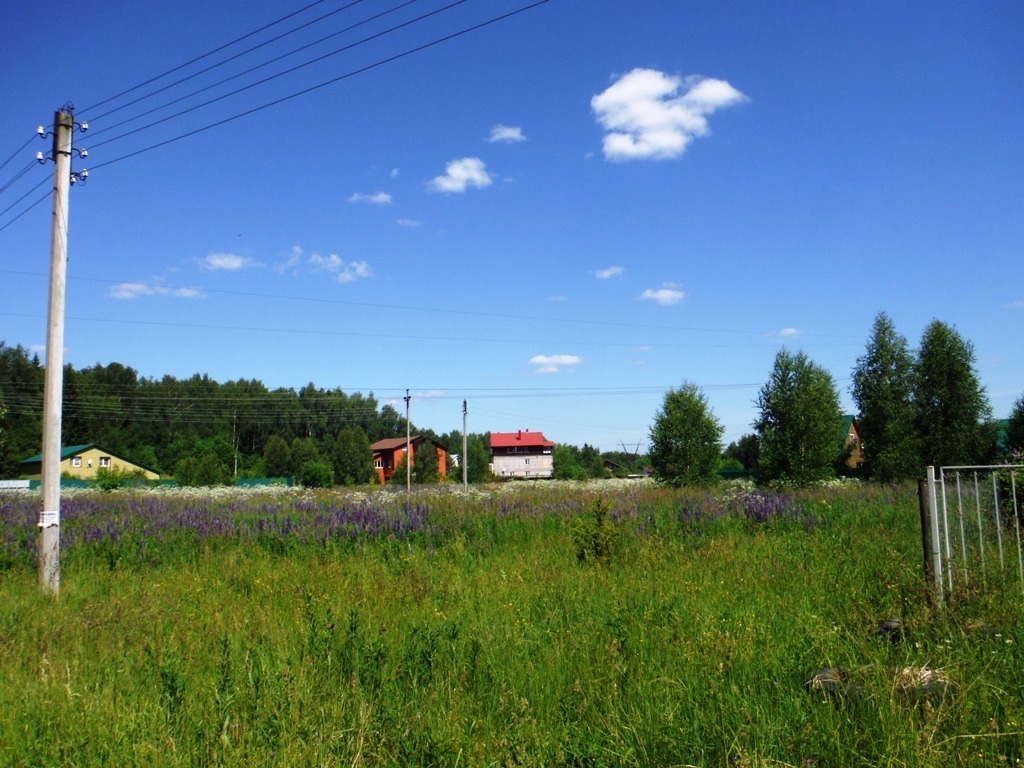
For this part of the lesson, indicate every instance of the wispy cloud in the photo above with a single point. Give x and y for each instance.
(461, 174)
(225, 262)
(557, 299)
(377, 198)
(291, 261)
(1014, 305)
(342, 271)
(609, 272)
(408, 223)
(339, 269)
(650, 115)
(507, 134)
(790, 333)
(138, 290)
(555, 363)
(669, 293)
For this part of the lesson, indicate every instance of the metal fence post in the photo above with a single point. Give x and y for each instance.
(936, 543)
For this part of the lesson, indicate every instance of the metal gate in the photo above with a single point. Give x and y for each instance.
(975, 519)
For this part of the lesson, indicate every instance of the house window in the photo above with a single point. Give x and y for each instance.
(76, 461)
(104, 461)
(378, 463)
(527, 461)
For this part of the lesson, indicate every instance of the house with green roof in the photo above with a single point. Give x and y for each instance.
(849, 439)
(82, 461)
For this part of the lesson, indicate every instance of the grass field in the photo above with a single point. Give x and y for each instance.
(591, 625)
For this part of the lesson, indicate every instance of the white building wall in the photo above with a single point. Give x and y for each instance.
(523, 466)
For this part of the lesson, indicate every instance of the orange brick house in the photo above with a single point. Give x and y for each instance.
(388, 453)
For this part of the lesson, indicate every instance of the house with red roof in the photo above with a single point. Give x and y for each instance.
(521, 454)
(388, 453)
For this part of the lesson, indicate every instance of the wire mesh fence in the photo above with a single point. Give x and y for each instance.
(976, 538)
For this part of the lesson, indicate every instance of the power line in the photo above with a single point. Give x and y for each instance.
(332, 81)
(20, 173)
(399, 336)
(440, 310)
(201, 57)
(279, 74)
(232, 58)
(18, 151)
(33, 205)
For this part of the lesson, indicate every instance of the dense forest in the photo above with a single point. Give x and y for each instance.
(201, 431)
(160, 423)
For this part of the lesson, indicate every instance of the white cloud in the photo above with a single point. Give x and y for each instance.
(225, 262)
(650, 115)
(508, 134)
(291, 262)
(1014, 305)
(609, 272)
(138, 290)
(461, 174)
(377, 198)
(408, 223)
(394, 173)
(430, 394)
(341, 271)
(790, 333)
(669, 293)
(557, 299)
(554, 363)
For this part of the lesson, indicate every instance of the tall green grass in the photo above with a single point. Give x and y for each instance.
(688, 640)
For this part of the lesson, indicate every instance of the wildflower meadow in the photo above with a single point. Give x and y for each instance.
(597, 624)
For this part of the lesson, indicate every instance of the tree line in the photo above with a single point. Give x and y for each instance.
(914, 408)
(204, 432)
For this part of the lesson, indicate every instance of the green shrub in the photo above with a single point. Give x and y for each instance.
(316, 474)
(593, 534)
(112, 478)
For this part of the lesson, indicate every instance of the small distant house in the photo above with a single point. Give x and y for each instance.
(611, 467)
(521, 454)
(850, 441)
(82, 461)
(388, 453)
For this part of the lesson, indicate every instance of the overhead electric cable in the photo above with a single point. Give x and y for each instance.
(355, 334)
(221, 63)
(324, 84)
(201, 57)
(443, 310)
(33, 205)
(22, 172)
(18, 151)
(289, 71)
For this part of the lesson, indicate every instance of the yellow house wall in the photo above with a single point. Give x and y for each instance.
(90, 463)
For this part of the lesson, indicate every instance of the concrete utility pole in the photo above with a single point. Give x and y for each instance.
(408, 448)
(465, 464)
(53, 388)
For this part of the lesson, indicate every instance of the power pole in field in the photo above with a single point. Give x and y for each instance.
(465, 464)
(408, 449)
(53, 386)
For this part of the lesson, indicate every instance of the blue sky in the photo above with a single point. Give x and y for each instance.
(556, 217)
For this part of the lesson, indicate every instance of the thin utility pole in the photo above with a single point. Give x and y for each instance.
(465, 464)
(408, 449)
(53, 387)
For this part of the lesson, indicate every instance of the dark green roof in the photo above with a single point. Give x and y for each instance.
(65, 453)
(73, 450)
(848, 419)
